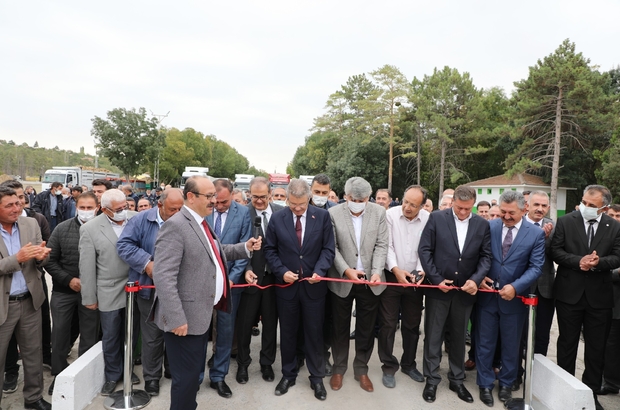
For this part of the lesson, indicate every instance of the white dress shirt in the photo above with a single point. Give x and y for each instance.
(404, 239)
(461, 229)
(357, 227)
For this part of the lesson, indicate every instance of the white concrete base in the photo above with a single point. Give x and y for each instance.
(79, 383)
(555, 389)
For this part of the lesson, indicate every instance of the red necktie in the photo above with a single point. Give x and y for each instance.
(217, 254)
(298, 229)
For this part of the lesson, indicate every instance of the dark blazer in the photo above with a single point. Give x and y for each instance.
(316, 254)
(547, 278)
(237, 228)
(520, 268)
(570, 244)
(441, 258)
(258, 262)
(42, 205)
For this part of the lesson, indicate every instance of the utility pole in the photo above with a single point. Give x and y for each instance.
(160, 118)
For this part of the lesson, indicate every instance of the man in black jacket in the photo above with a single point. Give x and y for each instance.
(49, 204)
(63, 266)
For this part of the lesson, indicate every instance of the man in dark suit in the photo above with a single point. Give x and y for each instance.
(586, 247)
(22, 251)
(518, 253)
(455, 251)
(190, 276)
(256, 301)
(231, 223)
(300, 244)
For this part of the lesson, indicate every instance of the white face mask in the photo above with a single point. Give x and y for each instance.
(59, 192)
(319, 200)
(85, 215)
(588, 213)
(281, 203)
(65, 196)
(356, 207)
(120, 216)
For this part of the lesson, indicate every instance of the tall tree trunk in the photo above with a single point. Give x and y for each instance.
(555, 167)
(418, 158)
(391, 163)
(442, 167)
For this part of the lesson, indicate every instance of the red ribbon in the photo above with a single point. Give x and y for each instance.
(526, 300)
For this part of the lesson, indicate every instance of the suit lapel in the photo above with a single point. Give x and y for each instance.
(523, 232)
(349, 222)
(471, 229)
(232, 212)
(289, 223)
(310, 225)
(581, 229)
(198, 230)
(601, 232)
(496, 232)
(452, 227)
(108, 231)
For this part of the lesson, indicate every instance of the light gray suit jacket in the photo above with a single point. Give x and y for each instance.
(373, 247)
(28, 232)
(184, 274)
(103, 274)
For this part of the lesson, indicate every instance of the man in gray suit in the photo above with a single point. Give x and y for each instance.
(21, 253)
(103, 275)
(362, 241)
(190, 276)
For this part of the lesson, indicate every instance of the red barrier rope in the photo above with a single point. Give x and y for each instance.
(526, 300)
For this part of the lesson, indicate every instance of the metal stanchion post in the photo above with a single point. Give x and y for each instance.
(526, 402)
(128, 399)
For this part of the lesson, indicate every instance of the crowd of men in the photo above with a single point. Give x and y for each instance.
(313, 258)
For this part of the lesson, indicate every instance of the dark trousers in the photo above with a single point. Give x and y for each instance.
(596, 324)
(409, 302)
(263, 301)
(113, 342)
(63, 311)
(439, 313)
(491, 326)
(313, 314)
(612, 357)
(152, 353)
(223, 340)
(367, 307)
(187, 355)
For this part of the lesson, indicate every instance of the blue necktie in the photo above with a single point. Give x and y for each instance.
(218, 224)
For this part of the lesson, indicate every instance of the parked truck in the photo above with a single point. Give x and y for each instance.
(307, 178)
(279, 180)
(192, 172)
(74, 176)
(242, 181)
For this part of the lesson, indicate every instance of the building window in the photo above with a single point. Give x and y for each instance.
(489, 191)
(479, 191)
(514, 189)
(501, 191)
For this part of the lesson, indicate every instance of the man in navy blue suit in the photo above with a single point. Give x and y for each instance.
(231, 223)
(300, 245)
(518, 249)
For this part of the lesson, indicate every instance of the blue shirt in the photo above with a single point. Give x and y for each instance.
(53, 203)
(13, 245)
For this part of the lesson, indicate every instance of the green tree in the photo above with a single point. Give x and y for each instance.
(125, 137)
(561, 106)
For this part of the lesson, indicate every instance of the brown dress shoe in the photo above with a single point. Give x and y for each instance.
(336, 382)
(365, 382)
(470, 365)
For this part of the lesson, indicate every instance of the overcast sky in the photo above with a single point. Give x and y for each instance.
(255, 74)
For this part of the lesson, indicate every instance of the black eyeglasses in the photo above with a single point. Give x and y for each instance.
(260, 198)
(208, 196)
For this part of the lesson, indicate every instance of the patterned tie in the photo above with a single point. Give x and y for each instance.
(265, 222)
(591, 231)
(298, 229)
(218, 225)
(536, 223)
(507, 242)
(216, 251)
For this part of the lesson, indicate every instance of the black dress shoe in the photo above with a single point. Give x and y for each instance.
(267, 372)
(38, 405)
(429, 393)
(328, 368)
(242, 374)
(607, 390)
(152, 387)
(283, 386)
(319, 390)
(222, 389)
(504, 394)
(516, 385)
(462, 392)
(108, 387)
(486, 396)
